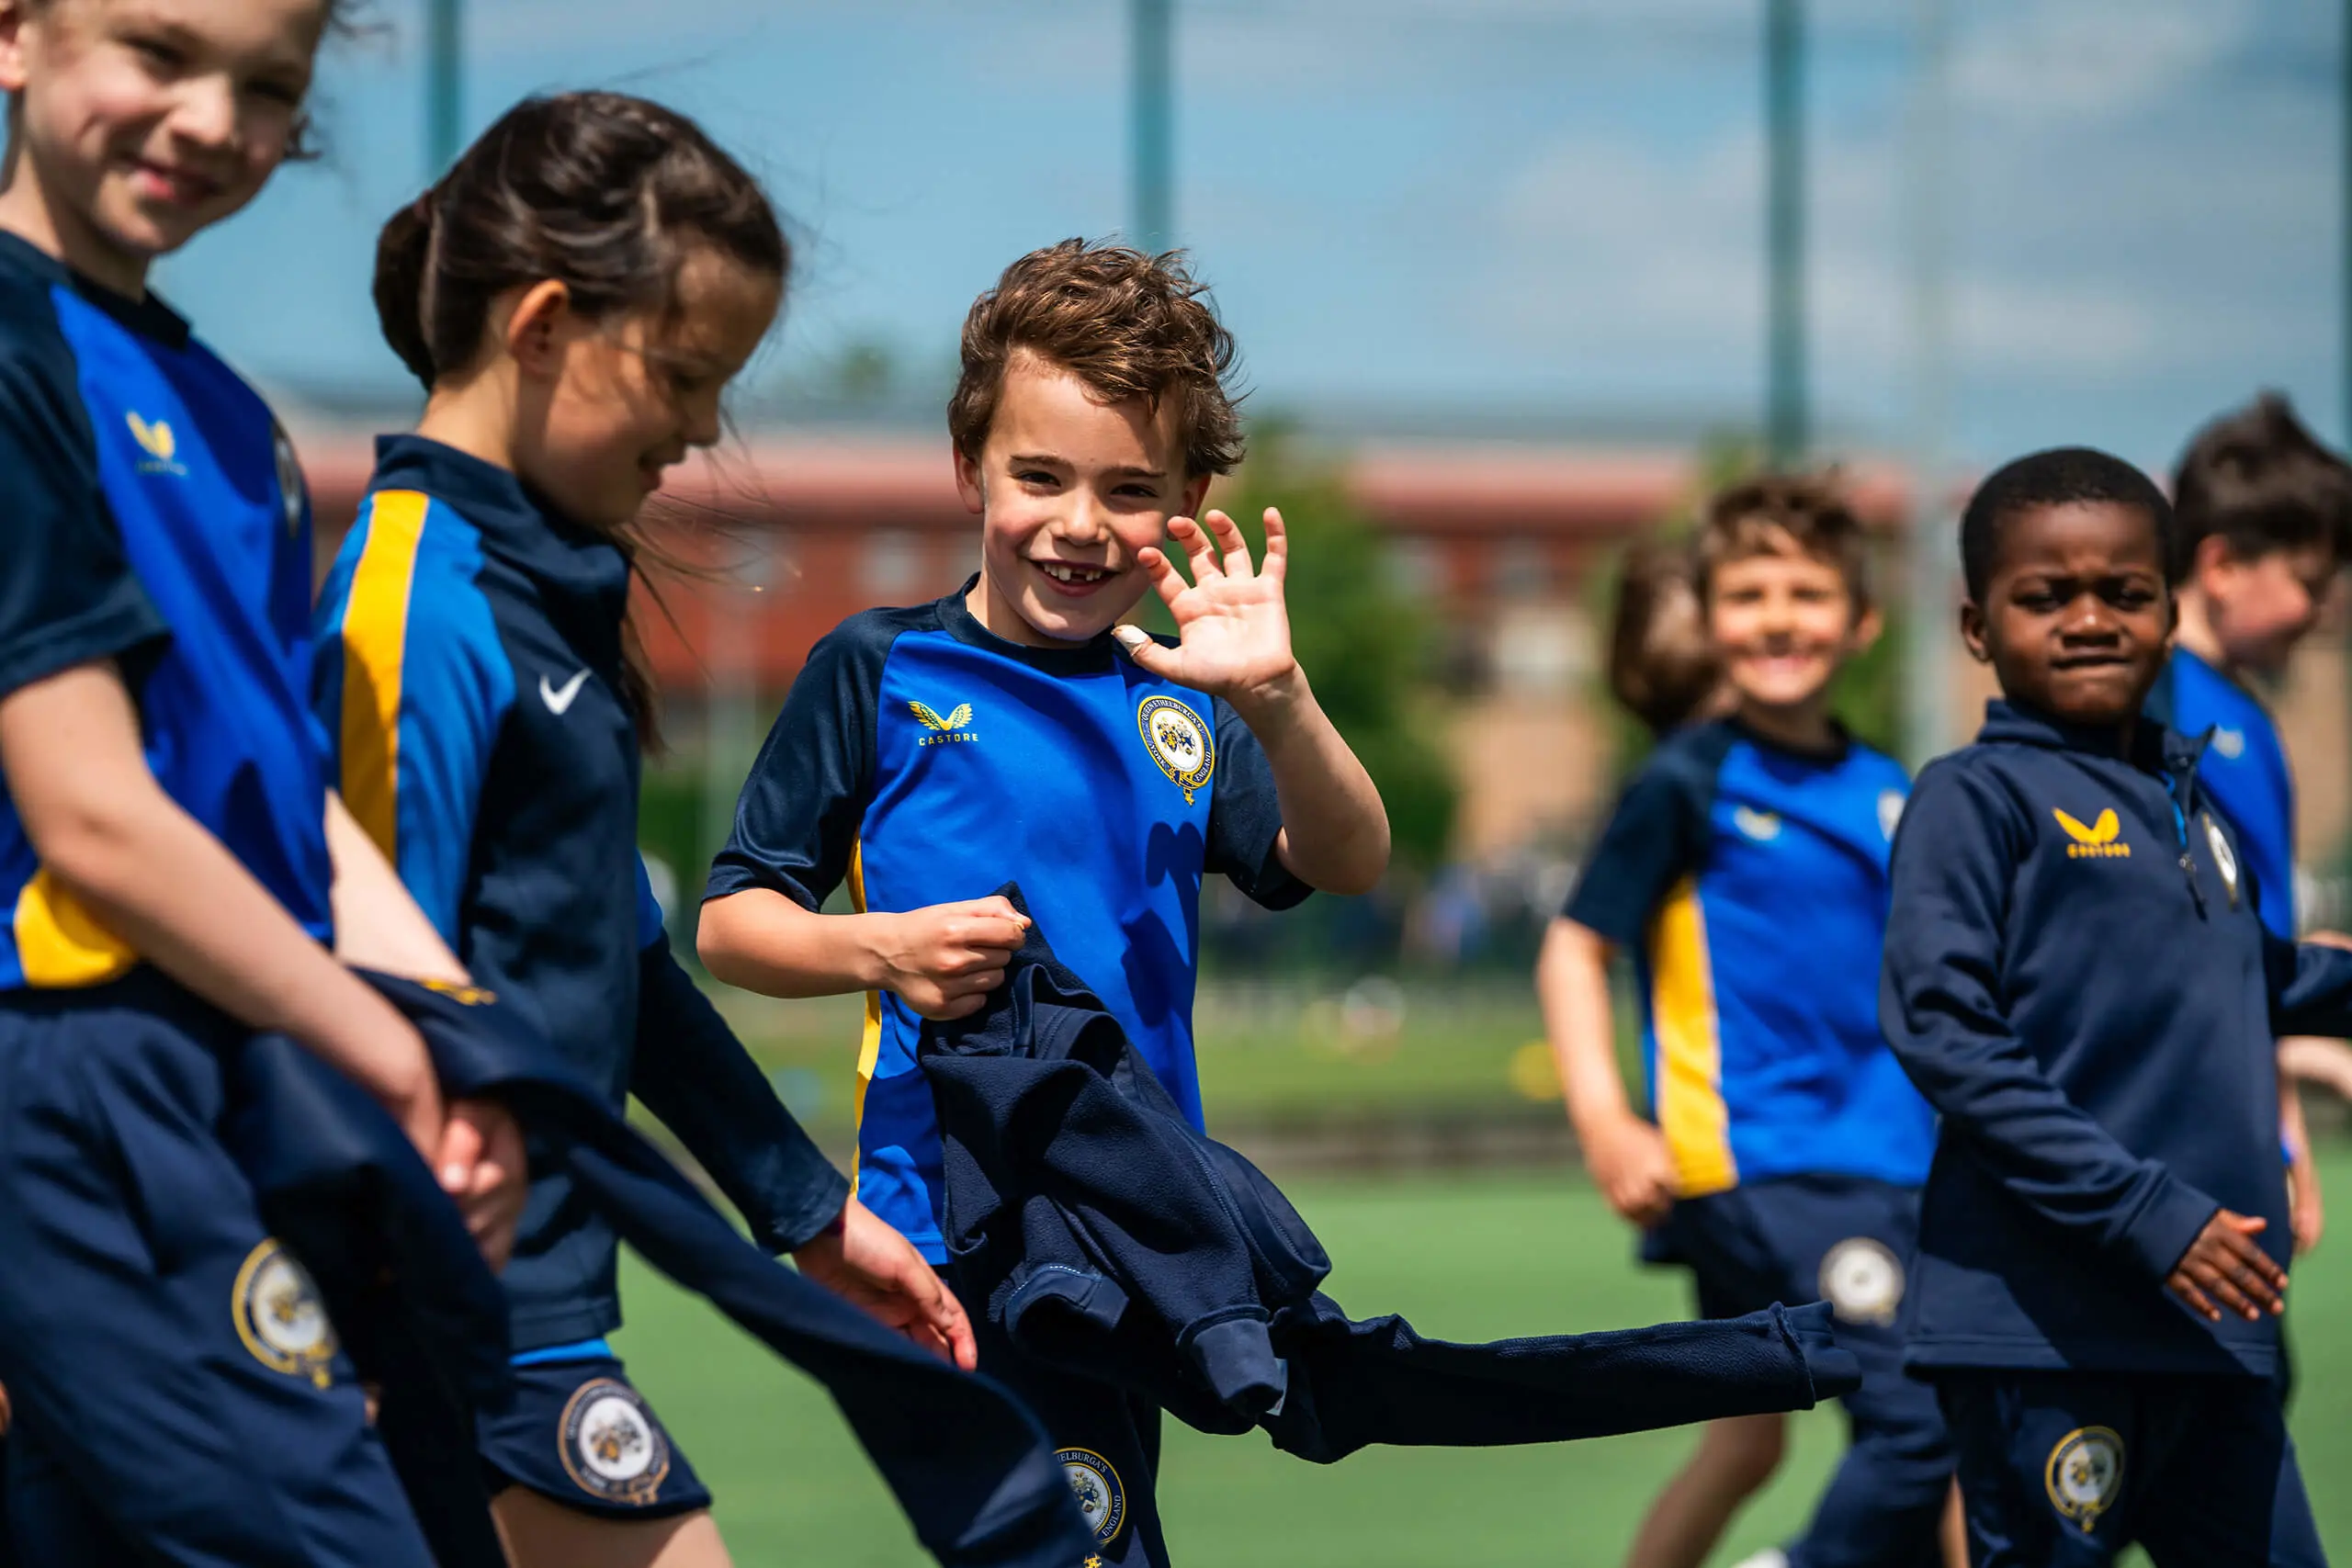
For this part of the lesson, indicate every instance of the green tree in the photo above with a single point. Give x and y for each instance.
(1366, 646)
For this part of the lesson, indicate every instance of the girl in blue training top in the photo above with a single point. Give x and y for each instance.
(575, 294)
(173, 875)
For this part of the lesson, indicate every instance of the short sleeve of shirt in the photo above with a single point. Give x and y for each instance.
(1654, 838)
(798, 818)
(1246, 818)
(67, 590)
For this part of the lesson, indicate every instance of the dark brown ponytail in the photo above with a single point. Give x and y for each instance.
(606, 193)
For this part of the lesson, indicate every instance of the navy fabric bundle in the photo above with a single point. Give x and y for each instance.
(1107, 1235)
(966, 1460)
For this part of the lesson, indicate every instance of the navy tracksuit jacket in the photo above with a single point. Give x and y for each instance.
(1106, 1235)
(966, 1460)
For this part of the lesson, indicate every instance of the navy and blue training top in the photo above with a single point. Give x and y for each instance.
(2244, 766)
(1750, 884)
(155, 515)
(469, 677)
(2077, 979)
(926, 760)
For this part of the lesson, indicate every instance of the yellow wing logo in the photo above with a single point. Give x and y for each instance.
(2098, 841)
(931, 719)
(156, 440)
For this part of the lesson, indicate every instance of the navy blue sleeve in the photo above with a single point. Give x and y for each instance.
(67, 591)
(1941, 1008)
(798, 817)
(1246, 818)
(694, 1074)
(1654, 838)
(2310, 988)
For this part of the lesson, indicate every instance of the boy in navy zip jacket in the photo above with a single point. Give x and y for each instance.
(2077, 978)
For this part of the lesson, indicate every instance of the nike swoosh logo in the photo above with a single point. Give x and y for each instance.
(558, 699)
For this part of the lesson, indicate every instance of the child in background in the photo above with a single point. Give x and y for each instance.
(576, 294)
(175, 863)
(2263, 522)
(1016, 730)
(2079, 979)
(1744, 867)
(1662, 665)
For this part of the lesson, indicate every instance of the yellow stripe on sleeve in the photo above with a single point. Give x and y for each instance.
(1690, 1110)
(870, 1048)
(58, 942)
(375, 641)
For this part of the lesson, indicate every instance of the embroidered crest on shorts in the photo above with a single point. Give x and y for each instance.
(1862, 1280)
(1184, 747)
(2225, 860)
(279, 1316)
(2084, 1474)
(611, 1447)
(1096, 1485)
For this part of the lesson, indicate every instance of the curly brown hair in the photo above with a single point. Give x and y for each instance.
(1811, 510)
(1126, 323)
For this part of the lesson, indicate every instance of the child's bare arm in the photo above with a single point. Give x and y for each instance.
(1626, 1155)
(1233, 626)
(149, 872)
(943, 959)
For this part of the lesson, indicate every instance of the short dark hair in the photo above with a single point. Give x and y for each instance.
(2060, 476)
(2257, 478)
(1809, 508)
(1127, 323)
(1661, 666)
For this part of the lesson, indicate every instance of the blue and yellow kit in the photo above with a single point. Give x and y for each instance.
(924, 760)
(2077, 977)
(179, 1392)
(469, 677)
(2244, 769)
(1750, 884)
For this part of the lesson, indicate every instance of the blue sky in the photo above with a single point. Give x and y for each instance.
(1449, 211)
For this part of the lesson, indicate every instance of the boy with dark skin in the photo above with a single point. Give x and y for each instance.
(2077, 979)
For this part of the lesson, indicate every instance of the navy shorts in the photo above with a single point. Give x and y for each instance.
(580, 1434)
(1107, 1440)
(1849, 1241)
(2065, 1469)
(179, 1393)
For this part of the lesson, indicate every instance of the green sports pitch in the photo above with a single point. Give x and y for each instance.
(1467, 1259)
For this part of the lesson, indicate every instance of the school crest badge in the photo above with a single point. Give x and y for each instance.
(611, 1446)
(1890, 812)
(2084, 1474)
(2225, 860)
(2229, 743)
(1862, 1280)
(1183, 746)
(1096, 1486)
(279, 1316)
(1762, 826)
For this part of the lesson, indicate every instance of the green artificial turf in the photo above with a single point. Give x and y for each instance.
(1467, 1259)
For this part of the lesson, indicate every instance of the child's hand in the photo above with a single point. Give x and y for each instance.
(1233, 627)
(483, 1166)
(945, 959)
(2223, 1263)
(870, 1265)
(1629, 1162)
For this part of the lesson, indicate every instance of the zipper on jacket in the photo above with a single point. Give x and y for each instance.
(2176, 784)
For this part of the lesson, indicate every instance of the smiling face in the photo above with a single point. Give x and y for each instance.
(143, 121)
(2260, 606)
(1069, 488)
(2076, 619)
(1782, 620)
(607, 407)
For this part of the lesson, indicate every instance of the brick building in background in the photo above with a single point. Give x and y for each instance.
(1503, 540)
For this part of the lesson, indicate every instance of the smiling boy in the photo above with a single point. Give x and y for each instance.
(2077, 978)
(1015, 730)
(1745, 868)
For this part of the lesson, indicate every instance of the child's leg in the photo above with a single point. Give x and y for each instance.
(1735, 1458)
(166, 1358)
(1108, 1443)
(2232, 1495)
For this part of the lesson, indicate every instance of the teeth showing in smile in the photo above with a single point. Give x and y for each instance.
(1064, 571)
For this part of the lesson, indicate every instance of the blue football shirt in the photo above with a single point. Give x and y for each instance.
(2245, 767)
(155, 515)
(1750, 884)
(923, 760)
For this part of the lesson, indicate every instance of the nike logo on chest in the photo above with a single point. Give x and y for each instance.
(559, 699)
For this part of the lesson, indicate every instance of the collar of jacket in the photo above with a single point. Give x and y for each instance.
(581, 576)
(2154, 748)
